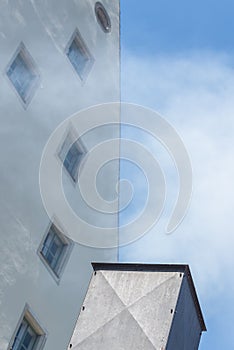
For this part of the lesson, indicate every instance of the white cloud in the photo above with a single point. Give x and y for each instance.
(195, 94)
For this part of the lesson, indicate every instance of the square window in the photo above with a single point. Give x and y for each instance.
(79, 55)
(23, 74)
(71, 154)
(55, 250)
(72, 160)
(29, 335)
(25, 338)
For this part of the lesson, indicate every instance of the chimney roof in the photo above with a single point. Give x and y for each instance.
(183, 268)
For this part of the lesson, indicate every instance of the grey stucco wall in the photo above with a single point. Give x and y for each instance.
(45, 28)
(127, 310)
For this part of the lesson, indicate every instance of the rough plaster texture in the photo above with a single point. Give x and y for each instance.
(139, 307)
(45, 27)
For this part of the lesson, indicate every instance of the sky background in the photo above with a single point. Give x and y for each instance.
(178, 59)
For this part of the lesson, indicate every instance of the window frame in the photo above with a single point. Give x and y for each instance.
(30, 320)
(63, 257)
(29, 62)
(69, 140)
(80, 43)
(100, 7)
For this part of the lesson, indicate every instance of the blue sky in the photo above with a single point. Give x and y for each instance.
(156, 26)
(178, 58)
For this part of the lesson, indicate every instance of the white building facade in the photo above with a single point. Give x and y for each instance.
(57, 57)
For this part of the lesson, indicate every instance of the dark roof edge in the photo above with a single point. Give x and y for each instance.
(195, 298)
(157, 268)
(138, 267)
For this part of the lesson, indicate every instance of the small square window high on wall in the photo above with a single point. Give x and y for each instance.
(79, 55)
(23, 74)
(55, 250)
(71, 153)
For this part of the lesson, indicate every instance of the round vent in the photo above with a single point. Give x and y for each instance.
(102, 17)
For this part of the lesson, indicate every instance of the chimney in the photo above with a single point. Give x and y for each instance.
(139, 306)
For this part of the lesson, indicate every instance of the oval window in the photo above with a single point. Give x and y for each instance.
(103, 17)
